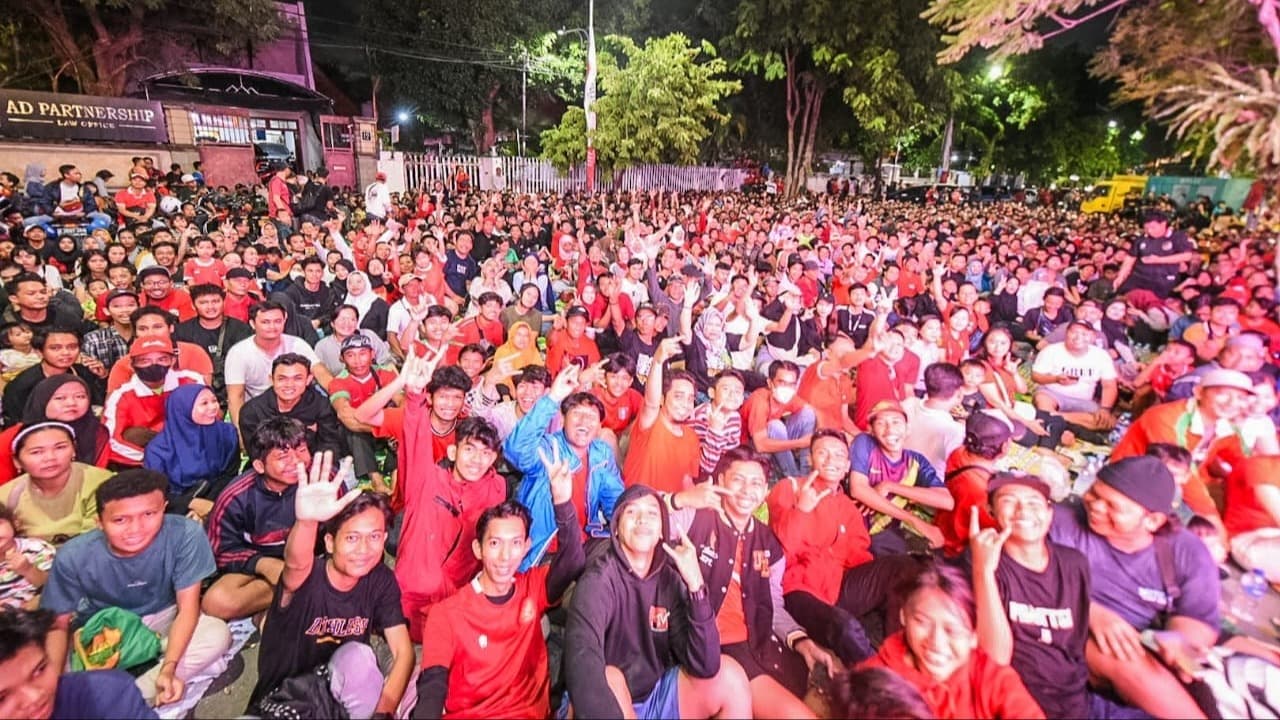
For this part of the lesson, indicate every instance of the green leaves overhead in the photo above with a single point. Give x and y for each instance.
(657, 104)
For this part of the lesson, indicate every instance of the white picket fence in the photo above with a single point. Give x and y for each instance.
(536, 175)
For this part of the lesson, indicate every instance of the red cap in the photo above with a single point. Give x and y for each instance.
(150, 345)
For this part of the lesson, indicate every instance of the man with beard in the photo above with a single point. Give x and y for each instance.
(669, 666)
(665, 451)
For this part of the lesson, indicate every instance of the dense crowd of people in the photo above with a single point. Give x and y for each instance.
(632, 454)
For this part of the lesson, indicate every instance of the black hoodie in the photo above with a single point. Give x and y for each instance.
(641, 625)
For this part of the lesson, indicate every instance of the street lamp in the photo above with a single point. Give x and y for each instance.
(1112, 124)
(995, 72)
(402, 116)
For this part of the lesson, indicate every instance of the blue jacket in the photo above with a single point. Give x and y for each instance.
(604, 480)
(50, 195)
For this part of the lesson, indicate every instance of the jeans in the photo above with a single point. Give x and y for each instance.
(793, 463)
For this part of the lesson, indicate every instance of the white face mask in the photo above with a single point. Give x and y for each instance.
(784, 395)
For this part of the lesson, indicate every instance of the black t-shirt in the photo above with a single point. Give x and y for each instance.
(1049, 615)
(633, 345)
(1158, 278)
(318, 619)
(316, 305)
(855, 324)
(787, 338)
(193, 332)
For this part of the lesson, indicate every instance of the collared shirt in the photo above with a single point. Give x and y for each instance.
(106, 346)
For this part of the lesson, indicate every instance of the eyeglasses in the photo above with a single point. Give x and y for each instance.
(156, 283)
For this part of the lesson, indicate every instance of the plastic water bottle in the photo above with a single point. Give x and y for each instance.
(1086, 476)
(1253, 586)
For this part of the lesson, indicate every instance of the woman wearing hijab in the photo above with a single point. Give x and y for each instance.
(65, 399)
(373, 309)
(197, 450)
(521, 346)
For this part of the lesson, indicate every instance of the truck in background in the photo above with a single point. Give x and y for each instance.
(1110, 196)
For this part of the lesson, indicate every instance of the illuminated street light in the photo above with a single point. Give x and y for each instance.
(402, 116)
(995, 72)
(1112, 124)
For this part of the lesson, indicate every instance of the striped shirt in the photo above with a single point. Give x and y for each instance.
(714, 444)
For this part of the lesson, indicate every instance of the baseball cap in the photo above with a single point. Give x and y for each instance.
(577, 311)
(188, 178)
(1143, 479)
(1005, 478)
(118, 293)
(885, 406)
(356, 342)
(986, 430)
(147, 272)
(150, 345)
(1248, 340)
(405, 280)
(239, 272)
(133, 175)
(380, 176)
(1223, 377)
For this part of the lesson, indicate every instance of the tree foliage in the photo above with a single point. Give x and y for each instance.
(658, 103)
(95, 43)
(1206, 68)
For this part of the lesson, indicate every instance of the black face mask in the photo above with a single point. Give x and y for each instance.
(151, 373)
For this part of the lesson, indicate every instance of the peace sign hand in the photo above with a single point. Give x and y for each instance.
(704, 496)
(985, 544)
(559, 475)
(317, 497)
(685, 556)
(808, 497)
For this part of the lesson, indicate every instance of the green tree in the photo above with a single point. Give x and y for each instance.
(95, 43)
(1207, 68)
(658, 103)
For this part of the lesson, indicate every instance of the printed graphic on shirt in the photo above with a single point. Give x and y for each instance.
(659, 617)
(330, 629)
(1047, 619)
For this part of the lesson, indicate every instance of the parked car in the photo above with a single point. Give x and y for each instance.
(266, 153)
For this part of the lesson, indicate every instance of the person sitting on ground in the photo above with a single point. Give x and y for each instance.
(745, 585)
(249, 362)
(1032, 597)
(59, 350)
(135, 412)
(597, 480)
(357, 380)
(938, 652)
(345, 323)
(292, 395)
(1070, 376)
(1122, 527)
(622, 402)
(24, 565)
(488, 657)
(572, 345)
(446, 392)
(664, 451)
(34, 688)
(441, 507)
(149, 563)
(893, 485)
(154, 323)
(323, 613)
(55, 497)
(251, 519)
(889, 374)
(197, 450)
(935, 432)
(779, 424)
(810, 517)
(718, 422)
(672, 665)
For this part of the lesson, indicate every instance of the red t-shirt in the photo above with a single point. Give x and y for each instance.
(355, 390)
(661, 459)
(494, 652)
(877, 381)
(619, 412)
(1243, 512)
(393, 427)
(760, 408)
(177, 302)
(196, 274)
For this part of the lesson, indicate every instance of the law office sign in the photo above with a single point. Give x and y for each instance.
(80, 117)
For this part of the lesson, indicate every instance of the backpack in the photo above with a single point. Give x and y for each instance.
(301, 696)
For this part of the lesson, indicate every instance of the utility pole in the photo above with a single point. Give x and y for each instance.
(589, 97)
(524, 103)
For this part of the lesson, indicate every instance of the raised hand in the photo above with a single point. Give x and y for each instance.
(316, 499)
(588, 378)
(685, 556)
(559, 475)
(704, 496)
(565, 384)
(985, 544)
(808, 497)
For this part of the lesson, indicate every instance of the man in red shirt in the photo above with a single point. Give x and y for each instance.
(970, 466)
(778, 423)
(357, 382)
(887, 375)
(621, 401)
(279, 194)
(158, 291)
(665, 451)
(136, 203)
(484, 327)
(572, 345)
(487, 657)
(240, 295)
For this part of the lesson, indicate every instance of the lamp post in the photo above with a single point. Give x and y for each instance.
(589, 89)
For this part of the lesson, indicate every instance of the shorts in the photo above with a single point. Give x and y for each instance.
(663, 701)
(1069, 403)
(791, 673)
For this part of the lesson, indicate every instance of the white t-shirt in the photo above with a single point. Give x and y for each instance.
(249, 365)
(932, 433)
(398, 318)
(1092, 367)
(377, 199)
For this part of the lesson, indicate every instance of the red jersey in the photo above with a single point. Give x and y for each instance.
(619, 412)
(177, 302)
(195, 273)
(494, 652)
(820, 545)
(357, 390)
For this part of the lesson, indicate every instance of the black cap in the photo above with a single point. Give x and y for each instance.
(239, 272)
(1143, 479)
(152, 270)
(577, 311)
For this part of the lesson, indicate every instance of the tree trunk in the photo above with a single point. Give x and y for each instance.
(813, 108)
(486, 133)
(793, 112)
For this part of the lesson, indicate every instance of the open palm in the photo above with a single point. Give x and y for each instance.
(317, 498)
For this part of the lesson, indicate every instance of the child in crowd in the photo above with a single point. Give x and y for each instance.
(16, 352)
(24, 564)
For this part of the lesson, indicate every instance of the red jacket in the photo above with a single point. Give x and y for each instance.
(134, 405)
(820, 545)
(981, 689)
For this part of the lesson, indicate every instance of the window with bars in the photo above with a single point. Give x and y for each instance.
(213, 128)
